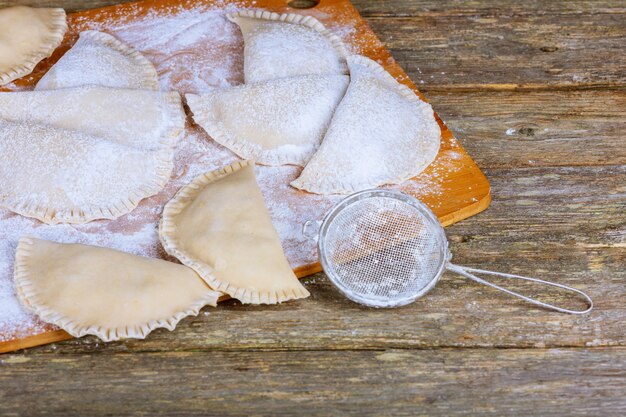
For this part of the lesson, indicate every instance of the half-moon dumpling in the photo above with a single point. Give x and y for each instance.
(287, 45)
(138, 118)
(99, 59)
(64, 176)
(219, 226)
(381, 133)
(275, 122)
(27, 35)
(99, 291)
(80, 154)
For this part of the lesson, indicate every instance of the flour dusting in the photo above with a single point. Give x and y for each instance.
(275, 49)
(174, 42)
(91, 175)
(98, 58)
(381, 133)
(193, 51)
(276, 122)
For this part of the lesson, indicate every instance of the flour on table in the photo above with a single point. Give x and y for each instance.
(174, 42)
(193, 51)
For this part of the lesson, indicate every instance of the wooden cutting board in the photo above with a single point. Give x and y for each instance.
(453, 186)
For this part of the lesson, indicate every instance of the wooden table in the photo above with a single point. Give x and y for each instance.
(536, 93)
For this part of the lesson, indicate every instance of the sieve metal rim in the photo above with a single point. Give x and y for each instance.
(421, 208)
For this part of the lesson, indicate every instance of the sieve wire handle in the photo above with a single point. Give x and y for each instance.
(467, 272)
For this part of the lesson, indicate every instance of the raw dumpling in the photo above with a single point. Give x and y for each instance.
(64, 176)
(219, 226)
(381, 133)
(113, 295)
(80, 154)
(99, 59)
(287, 45)
(275, 122)
(138, 118)
(27, 35)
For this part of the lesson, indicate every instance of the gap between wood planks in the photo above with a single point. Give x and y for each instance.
(435, 8)
(522, 88)
(483, 13)
(103, 351)
(490, 170)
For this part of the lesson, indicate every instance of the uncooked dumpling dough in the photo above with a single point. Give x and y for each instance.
(138, 118)
(64, 176)
(27, 36)
(98, 58)
(287, 45)
(219, 226)
(111, 294)
(275, 122)
(381, 133)
(80, 154)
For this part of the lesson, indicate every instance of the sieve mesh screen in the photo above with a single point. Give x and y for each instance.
(383, 250)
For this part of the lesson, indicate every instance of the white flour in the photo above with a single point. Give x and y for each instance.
(167, 41)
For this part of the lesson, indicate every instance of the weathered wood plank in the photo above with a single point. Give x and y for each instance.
(530, 129)
(414, 8)
(563, 224)
(552, 382)
(508, 52)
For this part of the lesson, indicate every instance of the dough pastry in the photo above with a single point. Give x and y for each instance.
(138, 118)
(64, 176)
(79, 154)
(275, 122)
(27, 35)
(219, 226)
(100, 155)
(287, 45)
(111, 294)
(99, 59)
(381, 133)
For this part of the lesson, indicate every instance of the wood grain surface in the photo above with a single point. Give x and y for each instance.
(546, 126)
(544, 382)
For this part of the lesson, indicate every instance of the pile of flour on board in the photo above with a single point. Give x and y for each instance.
(193, 51)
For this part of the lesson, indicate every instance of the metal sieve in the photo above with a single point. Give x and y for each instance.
(383, 248)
